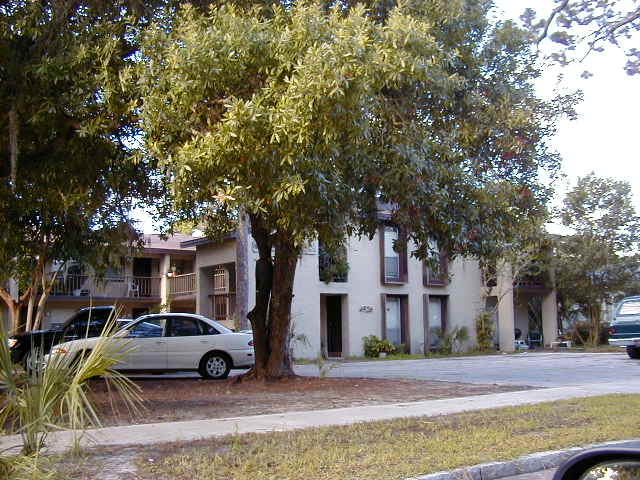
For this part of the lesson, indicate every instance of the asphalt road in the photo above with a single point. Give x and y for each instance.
(534, 369)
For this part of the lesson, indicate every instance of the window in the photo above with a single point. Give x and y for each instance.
(184, 327)
(332, 267)
(147, 328)
(631, 307)
(393, 249)
(436, 275)
(208, 329)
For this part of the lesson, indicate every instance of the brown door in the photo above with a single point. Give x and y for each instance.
(334, 326)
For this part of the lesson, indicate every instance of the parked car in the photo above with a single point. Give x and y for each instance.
(86, 322)
(169, 342)
(624, 330)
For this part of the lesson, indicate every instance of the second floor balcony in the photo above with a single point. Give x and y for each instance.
(180, 285)
(125, 286)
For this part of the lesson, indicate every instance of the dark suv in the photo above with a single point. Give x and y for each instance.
(86, 322)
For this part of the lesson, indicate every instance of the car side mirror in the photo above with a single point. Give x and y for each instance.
(601, 464)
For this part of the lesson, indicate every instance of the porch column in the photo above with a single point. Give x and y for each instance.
(550, 318)
(165, 266)
(506, 310)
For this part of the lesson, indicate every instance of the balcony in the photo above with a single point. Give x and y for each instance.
(115, 287)
(180, 285)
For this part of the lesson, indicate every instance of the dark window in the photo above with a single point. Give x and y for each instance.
(436, 275)
(208, 329)
(332, 267)
(184, 327)
(147, 328)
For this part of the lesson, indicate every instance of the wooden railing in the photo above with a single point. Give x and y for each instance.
(182, 284)
(114, 287)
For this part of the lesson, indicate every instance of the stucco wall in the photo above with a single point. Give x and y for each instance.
(361, 295)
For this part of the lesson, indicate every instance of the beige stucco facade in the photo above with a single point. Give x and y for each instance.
(363, 300)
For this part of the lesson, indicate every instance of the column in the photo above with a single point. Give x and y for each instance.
(506, 310)
(165, 266)
(549, 318)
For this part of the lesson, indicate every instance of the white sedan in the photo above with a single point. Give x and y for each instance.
(173, 342)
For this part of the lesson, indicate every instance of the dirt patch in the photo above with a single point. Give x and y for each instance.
(168, 400)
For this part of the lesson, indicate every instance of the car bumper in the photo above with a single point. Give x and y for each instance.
(625, 342)
(242, 358)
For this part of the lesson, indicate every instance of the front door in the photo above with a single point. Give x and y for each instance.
(393, 320)
(334, 326)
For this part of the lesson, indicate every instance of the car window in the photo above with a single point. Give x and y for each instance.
(208, 329)
(631, 307)
(184, 327)
(150, 328)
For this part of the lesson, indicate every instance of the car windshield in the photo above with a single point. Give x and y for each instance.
(631, 307)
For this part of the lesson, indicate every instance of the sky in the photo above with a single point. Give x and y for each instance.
(603, 137)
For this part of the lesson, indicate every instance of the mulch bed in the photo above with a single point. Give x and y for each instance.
(168, 400)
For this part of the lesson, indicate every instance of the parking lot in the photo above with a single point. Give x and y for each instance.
(534, 369)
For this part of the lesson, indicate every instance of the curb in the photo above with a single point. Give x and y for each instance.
(526, 464)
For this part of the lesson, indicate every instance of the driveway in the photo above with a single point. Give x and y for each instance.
(534, 369)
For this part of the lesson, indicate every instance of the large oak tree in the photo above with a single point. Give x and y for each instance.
(307, 117)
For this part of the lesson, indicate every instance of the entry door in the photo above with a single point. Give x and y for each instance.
(435, 320)
(334, 326)
(393, 320)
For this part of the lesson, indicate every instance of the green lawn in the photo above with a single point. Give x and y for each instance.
(401, 448)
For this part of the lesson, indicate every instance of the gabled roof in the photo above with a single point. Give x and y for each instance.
(154, 243)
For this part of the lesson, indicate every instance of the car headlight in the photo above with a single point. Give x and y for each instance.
(59, 351)
(12, 342)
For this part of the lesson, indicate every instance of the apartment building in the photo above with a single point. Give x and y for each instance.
(385, 292)
(160, 275)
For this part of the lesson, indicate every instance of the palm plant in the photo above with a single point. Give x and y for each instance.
(43, 399)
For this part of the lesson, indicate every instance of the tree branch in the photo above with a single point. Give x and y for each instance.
(547, 24)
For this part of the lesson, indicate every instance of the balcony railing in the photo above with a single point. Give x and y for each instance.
(182, 284)
(392, 268)
(114, 287)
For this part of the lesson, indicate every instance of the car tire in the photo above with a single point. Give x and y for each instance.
(215, 366)
(633, 352)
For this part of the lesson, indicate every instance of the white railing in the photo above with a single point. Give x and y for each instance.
(114, 287)
(182, 284)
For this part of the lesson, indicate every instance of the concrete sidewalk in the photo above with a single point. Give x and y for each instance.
(200, 429)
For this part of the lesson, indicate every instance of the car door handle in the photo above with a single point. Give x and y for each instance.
(159, 342)
(204, 341)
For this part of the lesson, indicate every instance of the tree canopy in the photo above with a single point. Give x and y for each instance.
(307, 118)
(583, 26)
(66, 186)
(598, 263)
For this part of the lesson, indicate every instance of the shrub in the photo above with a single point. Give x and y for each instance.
(373, 346)
(485, 330)
(451, 342)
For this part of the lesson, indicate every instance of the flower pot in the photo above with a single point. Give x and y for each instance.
(382, 354)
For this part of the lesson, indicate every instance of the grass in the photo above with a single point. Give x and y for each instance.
(398, 449)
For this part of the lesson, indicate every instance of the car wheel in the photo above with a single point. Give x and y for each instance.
(633, 352)
(215, 365)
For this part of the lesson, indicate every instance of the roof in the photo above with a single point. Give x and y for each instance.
(154, 243)
(194, 242)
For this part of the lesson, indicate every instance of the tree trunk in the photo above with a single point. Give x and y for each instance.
(14, 307)
(242, 271)
(271, 316)
(13, 145)
(286, 259)
(264, 279)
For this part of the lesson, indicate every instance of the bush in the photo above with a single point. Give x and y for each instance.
(485, 330)
(452, 342)
(581, 329)
(373, 346)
